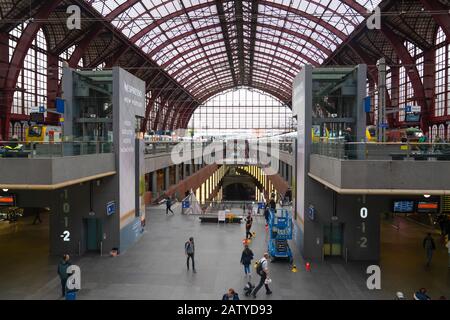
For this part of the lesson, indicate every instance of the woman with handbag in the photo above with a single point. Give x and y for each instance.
(246, 260)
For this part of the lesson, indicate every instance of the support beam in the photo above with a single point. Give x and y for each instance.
(440, 14)
(82, 46)
(20, 52)
(371, 68)
(253, 25)
(181, 107)
(239, 14)
(226, 38)
(155, 95)
(413, 74)
(172, 105)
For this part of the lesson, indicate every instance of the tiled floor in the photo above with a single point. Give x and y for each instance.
(155, 267)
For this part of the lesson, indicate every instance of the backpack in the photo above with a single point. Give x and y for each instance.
(259, 267)
(188, 247)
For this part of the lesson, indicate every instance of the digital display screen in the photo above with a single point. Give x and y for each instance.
(427, 207)
(7, 201)
(412, 117)
(406, 206)
(37, 117)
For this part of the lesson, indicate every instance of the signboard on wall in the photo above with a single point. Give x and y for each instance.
(128, 103)
(7, 201)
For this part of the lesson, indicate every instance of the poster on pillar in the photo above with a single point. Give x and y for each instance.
(140, 179)
(129, 103)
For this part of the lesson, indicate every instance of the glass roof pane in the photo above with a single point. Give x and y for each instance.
(190, 37)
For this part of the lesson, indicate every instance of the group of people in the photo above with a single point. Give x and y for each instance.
(247, 256)
(429, 245)
(262, 268)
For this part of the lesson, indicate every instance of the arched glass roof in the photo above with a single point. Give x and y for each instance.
(212, 45)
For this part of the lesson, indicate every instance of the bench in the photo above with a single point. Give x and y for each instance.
(214, 219)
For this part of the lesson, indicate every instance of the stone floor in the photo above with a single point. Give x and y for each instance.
(155, 267)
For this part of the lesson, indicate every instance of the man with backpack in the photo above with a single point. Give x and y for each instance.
(62, 272)
(189, 249)
(262, 269)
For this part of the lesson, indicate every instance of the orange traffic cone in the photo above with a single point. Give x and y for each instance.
(308, 266)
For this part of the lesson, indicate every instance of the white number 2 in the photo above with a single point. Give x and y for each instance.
(66, 236)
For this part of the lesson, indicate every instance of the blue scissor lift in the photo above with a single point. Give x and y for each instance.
(280, 231)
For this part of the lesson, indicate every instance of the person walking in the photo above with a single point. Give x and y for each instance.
(168, 205)
(37, 216)
(448, 250)
(230, 295)
(248, 226)
(62, 272)
(272, 194)
(442, 221)
(189, 249)
(263, 270)
(348, 139)
(246, 260)
(429, 246)
(273, 204)
(267, 213)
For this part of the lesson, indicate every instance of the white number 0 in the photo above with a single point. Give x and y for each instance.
(363, 212)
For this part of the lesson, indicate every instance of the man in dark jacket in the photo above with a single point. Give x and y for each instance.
(429, 246)
(230, 295)
(169, 205)
(267, 213)
(349, 148)
(189, 249)
(62, 272)
(248, 226)
(273, 204)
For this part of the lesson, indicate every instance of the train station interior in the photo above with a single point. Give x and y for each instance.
(314, 131)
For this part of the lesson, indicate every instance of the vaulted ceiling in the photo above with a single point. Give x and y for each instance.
(211, 46)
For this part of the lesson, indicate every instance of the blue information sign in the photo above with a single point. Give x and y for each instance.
(311, 213)
(59, 103)
(110, 208)
(186, 204)
(367, 104)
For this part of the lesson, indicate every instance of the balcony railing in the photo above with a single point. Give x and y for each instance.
(383, 151)
(23, 149)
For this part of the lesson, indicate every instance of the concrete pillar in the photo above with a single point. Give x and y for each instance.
(290, 175)
(177, 173)
(187, 169)
(166, 178)
(154, 182)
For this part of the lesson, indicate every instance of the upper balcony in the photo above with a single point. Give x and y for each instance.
(382, 168)
(161, 154)
(48, 166)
